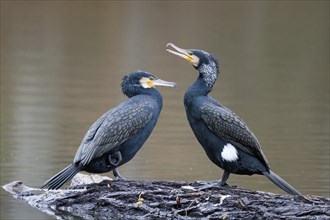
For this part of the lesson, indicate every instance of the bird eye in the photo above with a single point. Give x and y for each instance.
(190, 53)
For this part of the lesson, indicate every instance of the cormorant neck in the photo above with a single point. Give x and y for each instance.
(135, 90)
(154, 93)
(200, 87)
(208, 73)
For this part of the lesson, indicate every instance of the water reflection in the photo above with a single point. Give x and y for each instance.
(62, 63)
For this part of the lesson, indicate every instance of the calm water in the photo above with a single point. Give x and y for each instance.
(62, 63)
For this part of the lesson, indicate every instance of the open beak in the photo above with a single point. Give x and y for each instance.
(184, 53)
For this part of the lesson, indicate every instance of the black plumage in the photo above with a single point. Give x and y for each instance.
(118, 134)
(225, 137)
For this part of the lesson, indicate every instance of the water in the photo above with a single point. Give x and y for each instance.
(62, 63)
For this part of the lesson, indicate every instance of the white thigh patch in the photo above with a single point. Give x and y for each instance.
(229, 153)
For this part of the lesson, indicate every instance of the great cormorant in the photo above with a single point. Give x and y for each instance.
(118, 134)
(225, 137)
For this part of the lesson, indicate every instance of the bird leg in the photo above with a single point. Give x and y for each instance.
(115, 158)
(224, 178)
(117, 174)
(222, 182)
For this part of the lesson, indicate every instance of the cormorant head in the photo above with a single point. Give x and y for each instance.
(139, 82)
(203, 62)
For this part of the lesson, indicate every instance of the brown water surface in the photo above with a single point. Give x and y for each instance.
(62, 64)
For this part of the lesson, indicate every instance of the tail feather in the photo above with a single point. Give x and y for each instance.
(281, 183)
(61, 177)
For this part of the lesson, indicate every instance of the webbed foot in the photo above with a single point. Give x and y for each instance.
(115, 159)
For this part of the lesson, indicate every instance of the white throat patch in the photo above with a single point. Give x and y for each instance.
(146, 83)
(229, 153)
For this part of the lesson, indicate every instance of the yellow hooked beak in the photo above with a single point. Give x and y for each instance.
(184, 53)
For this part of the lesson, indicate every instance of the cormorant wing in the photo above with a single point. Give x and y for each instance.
(226, 125)
(112, 129)
(95, 126)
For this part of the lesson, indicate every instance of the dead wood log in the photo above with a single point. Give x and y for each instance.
(141, 199)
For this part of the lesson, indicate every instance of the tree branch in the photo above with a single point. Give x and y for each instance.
(137, 199)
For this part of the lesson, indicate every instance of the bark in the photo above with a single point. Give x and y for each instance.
(141, 199)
